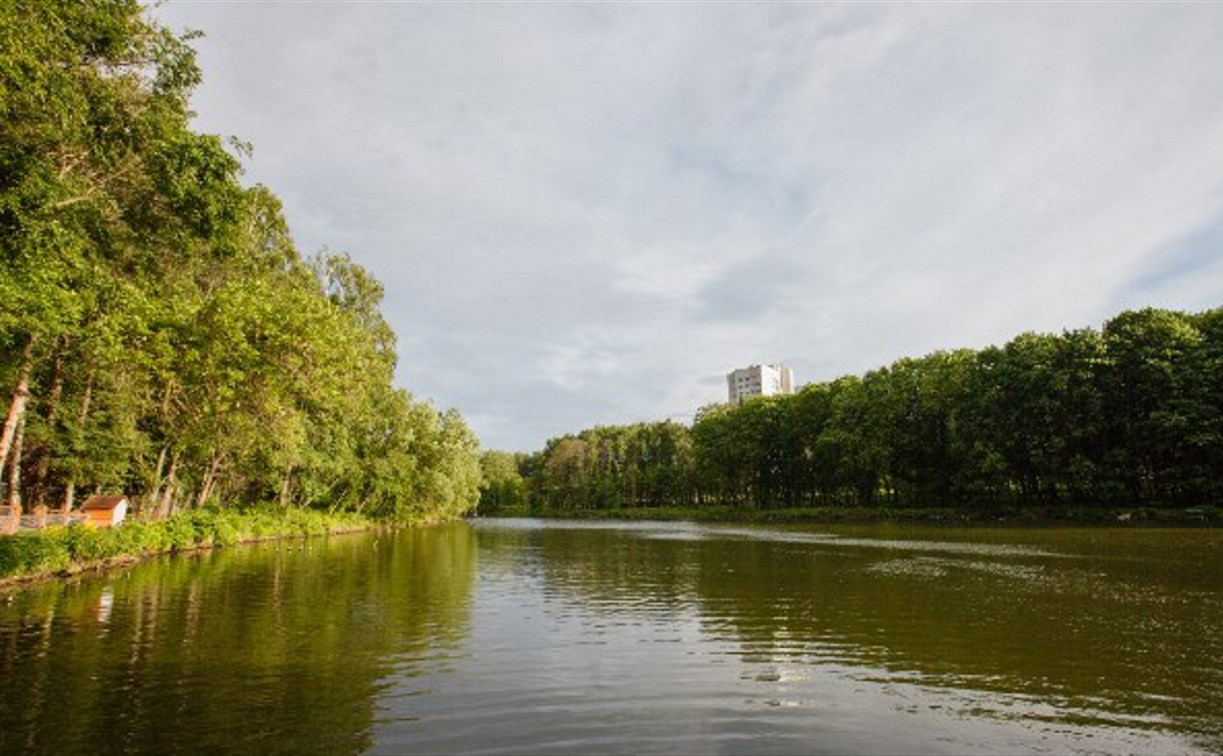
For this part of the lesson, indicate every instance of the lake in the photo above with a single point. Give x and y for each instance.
(506, 636)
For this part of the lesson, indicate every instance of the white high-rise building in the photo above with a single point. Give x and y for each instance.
(758, 380)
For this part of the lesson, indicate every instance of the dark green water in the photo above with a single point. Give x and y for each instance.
(530, 636)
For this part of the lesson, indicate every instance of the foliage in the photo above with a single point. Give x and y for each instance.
(614, 467)
(57, 548)
(176, 345)
(502, 487)
(1131, 416)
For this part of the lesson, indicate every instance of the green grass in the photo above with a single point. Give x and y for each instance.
(54, 549)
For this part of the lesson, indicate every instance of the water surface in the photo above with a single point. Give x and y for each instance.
(533, 636)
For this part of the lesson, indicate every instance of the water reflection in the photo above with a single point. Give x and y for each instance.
(525, 636)
(1057, 627)
(283, 647)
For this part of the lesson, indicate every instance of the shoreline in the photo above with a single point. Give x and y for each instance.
(64, 553)
(1128, 517)
(206, 530)
(105, 564)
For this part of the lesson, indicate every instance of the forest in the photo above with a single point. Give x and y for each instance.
(160, 333)
(1129, 415)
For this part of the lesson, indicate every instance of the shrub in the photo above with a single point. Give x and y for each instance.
(29, 553)
(56, 548)
(180, 533)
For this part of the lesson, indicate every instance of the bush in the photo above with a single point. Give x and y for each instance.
(180, 533)
(55, 549)
(30, 553)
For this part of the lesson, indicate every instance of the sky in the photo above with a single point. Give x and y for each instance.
(588, 213)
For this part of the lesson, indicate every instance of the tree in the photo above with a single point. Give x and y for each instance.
(158, 316)
(502, 487)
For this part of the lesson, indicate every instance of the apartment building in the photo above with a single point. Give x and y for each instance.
(758, 380)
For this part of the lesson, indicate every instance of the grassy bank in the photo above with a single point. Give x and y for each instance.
(64, 550)
(931, 515)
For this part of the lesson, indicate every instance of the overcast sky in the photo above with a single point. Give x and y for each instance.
(588, 213)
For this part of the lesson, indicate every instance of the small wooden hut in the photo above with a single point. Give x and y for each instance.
(105, 511)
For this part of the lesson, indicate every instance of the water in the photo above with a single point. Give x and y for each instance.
(529, 636)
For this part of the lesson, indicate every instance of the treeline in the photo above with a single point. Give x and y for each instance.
(159, 331)
(1129, 415)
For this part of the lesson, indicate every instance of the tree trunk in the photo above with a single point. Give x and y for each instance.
(154, 496)
(284, 487)
(209, 480)
(14, 470)
(166, 507)
(16, 409)
(70, 488)
(69, 496)
(42, 468)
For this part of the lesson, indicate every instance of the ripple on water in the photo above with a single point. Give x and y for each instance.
(614, 637)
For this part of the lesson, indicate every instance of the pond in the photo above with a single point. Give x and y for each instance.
(511, 636)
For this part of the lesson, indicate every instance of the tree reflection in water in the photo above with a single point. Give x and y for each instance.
(282, 647)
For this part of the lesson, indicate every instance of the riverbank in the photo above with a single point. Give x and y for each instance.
(1032, 515)
(64, 551)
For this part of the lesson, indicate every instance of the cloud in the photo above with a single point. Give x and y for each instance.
(582, 212)
(751, 289)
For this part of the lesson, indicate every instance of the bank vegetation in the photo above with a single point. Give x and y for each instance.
(1128, 417)
(161, 335)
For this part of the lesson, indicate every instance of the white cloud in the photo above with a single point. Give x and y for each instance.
(582, 212)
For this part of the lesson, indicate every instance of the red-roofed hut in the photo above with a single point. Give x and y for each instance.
(105, 511)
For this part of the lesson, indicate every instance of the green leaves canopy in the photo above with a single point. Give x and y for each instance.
(181, 350)
(1130, 415)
